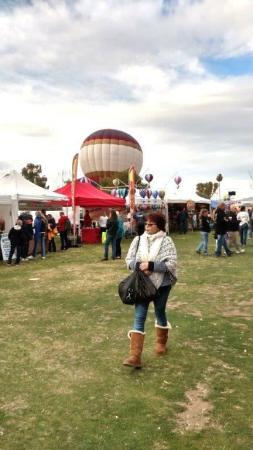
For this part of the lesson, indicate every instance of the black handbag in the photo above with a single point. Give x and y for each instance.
(127, 289)
(137, 288)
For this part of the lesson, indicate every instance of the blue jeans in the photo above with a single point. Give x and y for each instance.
(40, 238)
(221, 242)
(110, 240)
(244, 233)
(204, 242)
(160, 307)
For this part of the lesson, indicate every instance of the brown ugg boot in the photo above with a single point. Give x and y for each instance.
(161, 338)
(136, 346)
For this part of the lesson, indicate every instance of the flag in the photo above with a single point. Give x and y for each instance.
(73, 191)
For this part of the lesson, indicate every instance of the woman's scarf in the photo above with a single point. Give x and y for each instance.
(150, 245)
(149, 248)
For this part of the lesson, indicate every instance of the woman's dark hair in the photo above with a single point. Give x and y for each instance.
(158, 219)
(114, 216)
(242, 208)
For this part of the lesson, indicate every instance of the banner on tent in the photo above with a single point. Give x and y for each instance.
(6, 246)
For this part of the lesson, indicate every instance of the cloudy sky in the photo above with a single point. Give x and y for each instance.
(175, 74)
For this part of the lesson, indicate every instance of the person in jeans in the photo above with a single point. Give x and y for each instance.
(16, 237)
(112, 228)
(119, 235)
(221, 228)
(39, 234)
(204, 232)
(243, 218)
(154, 253)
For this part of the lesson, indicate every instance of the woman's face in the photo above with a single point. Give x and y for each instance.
(151, 227)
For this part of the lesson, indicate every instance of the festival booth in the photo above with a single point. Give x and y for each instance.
(248, 202)
(88, 196)
(192, 203)
(17, 194)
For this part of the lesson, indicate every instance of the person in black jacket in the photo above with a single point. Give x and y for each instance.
(27, 227)
(112, 228)
(221, 228)
(204, 220)
(16, 237)
(233, 230)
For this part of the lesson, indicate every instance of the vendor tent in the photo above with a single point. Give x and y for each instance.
(184, 197)
(87, 195)
(16, 193)
(248, 201)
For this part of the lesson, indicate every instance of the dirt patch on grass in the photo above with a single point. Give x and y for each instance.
(14, 406)
(238, 313)
(196, 415)
(196, 345)
(176, 305)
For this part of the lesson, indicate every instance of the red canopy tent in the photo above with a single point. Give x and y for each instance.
(89, 196)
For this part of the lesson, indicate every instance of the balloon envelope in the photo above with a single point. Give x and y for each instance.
(178, 180)
(161, 194)
(149, 177)
(108, 152)
(148, 193)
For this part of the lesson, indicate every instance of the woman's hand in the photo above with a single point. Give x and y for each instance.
(144, 266)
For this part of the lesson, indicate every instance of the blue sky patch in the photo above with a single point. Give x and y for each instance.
(238, 66)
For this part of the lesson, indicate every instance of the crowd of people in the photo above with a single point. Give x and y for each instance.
(231, 229)
(27, 235)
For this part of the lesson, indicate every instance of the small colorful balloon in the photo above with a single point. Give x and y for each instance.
(143, 193)
(178, 180)
(148, 193)
(149, 177)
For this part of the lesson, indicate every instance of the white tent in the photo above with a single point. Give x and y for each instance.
(248, 201)
(183, 197)
(15, 190)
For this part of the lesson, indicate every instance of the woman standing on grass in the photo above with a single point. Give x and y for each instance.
(204, 232)
(243, 218)
(233, 230)
(154, 253)
(111, 232)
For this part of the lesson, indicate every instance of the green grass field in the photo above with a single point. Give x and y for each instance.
(64, 337)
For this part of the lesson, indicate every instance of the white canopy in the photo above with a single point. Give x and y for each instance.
(12, 184)
(248, 201)
(15, 189)
(183, 197)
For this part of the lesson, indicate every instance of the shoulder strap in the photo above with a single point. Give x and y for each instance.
(137, 246)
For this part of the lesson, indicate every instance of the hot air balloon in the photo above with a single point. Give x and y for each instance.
(178, 180)
(148, 193)
(113, 192)
(107, 153)
(149, 177)
(161, 194)
(143, 193)
(155, 194)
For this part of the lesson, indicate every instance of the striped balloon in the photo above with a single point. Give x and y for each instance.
(108, 152)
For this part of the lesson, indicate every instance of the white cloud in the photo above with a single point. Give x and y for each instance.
(69, 68)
